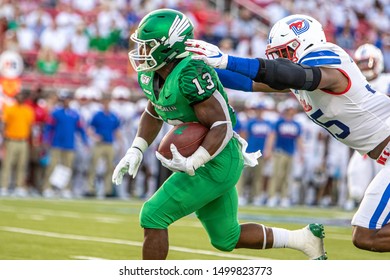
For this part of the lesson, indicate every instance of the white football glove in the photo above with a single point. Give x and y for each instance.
(129, 163)
(178, 163)
(207, 52)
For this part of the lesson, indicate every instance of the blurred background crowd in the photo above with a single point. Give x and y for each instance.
(65, 74)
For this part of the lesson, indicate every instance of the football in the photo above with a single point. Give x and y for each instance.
(187, 137)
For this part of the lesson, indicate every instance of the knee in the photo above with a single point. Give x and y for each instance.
(151, 217)
(225, 242)
(222, 245)
(360, 239)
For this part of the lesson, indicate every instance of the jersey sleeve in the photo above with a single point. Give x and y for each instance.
(197, 81)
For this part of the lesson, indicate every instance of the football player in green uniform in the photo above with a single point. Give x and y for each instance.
(179, 90)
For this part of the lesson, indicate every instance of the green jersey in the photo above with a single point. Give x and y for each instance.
(190, 82)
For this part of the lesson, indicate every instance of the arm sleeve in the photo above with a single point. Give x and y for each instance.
(278, 73)
(234, 80)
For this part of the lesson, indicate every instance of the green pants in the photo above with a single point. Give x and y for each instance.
(211, 194)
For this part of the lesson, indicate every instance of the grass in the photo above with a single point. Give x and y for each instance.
(37, 229)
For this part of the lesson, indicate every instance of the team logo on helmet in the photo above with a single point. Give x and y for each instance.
(298, 26)
(176, 30)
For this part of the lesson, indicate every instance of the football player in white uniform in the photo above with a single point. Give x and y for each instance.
(334, 94)
(361, 168)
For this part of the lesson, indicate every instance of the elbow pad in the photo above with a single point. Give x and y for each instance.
(281, 74)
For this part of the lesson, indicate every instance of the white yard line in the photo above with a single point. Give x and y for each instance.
(87, 258)
(124, 242)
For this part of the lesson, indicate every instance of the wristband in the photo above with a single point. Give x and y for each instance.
(200, 157)
(140, 144)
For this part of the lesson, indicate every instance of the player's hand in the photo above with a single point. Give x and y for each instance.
(129, 163)
(207, 52)
(178, 163)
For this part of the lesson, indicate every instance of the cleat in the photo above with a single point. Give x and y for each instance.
(314, 246)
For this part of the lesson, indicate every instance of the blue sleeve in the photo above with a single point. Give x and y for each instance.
(248, 67)
(234, 80)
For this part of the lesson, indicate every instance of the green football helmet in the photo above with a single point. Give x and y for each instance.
(159, 39)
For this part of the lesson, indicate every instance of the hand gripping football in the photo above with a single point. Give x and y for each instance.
(187, 137)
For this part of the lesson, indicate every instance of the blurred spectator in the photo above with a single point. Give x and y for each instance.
(67, 19)
(38, 19)
(11, 42)
(84, 6)
(346, 39)
(104, 42)
(60, 133)
(7, 9)
(245, 26)
(69, 61)
(55, 38)
(38, 158)
(222, 28)
(80, 41)
(27, 39)
(47, 61)
(109, 20)
(85, 105)
(101, 75)
(104, 130)
(17, 122)
(284, 141)
(256, 131)
(259, 43)
(227, 46)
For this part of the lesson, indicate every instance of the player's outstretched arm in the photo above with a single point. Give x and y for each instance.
(279, 74)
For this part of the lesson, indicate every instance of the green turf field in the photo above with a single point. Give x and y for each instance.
(109, 229)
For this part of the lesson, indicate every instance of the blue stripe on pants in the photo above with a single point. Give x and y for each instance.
(379, 210)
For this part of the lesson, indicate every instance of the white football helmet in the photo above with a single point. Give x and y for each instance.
(292, 35)
(370, 61)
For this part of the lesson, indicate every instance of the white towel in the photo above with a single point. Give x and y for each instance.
(250, 159)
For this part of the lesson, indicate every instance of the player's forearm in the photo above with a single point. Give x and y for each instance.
(279, 74)
(217, 138)
(149, 128)
(234, 80)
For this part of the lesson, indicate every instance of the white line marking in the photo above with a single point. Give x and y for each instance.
(87, 258)
(125, 242)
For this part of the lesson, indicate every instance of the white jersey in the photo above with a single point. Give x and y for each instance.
(361, 168)
(358, 117)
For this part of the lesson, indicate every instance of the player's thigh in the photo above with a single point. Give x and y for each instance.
(374, 210)
(359, 175)
(179, 196)
(182, 194)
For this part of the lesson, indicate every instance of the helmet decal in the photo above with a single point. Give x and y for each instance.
(178, 26)
(298, 26)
